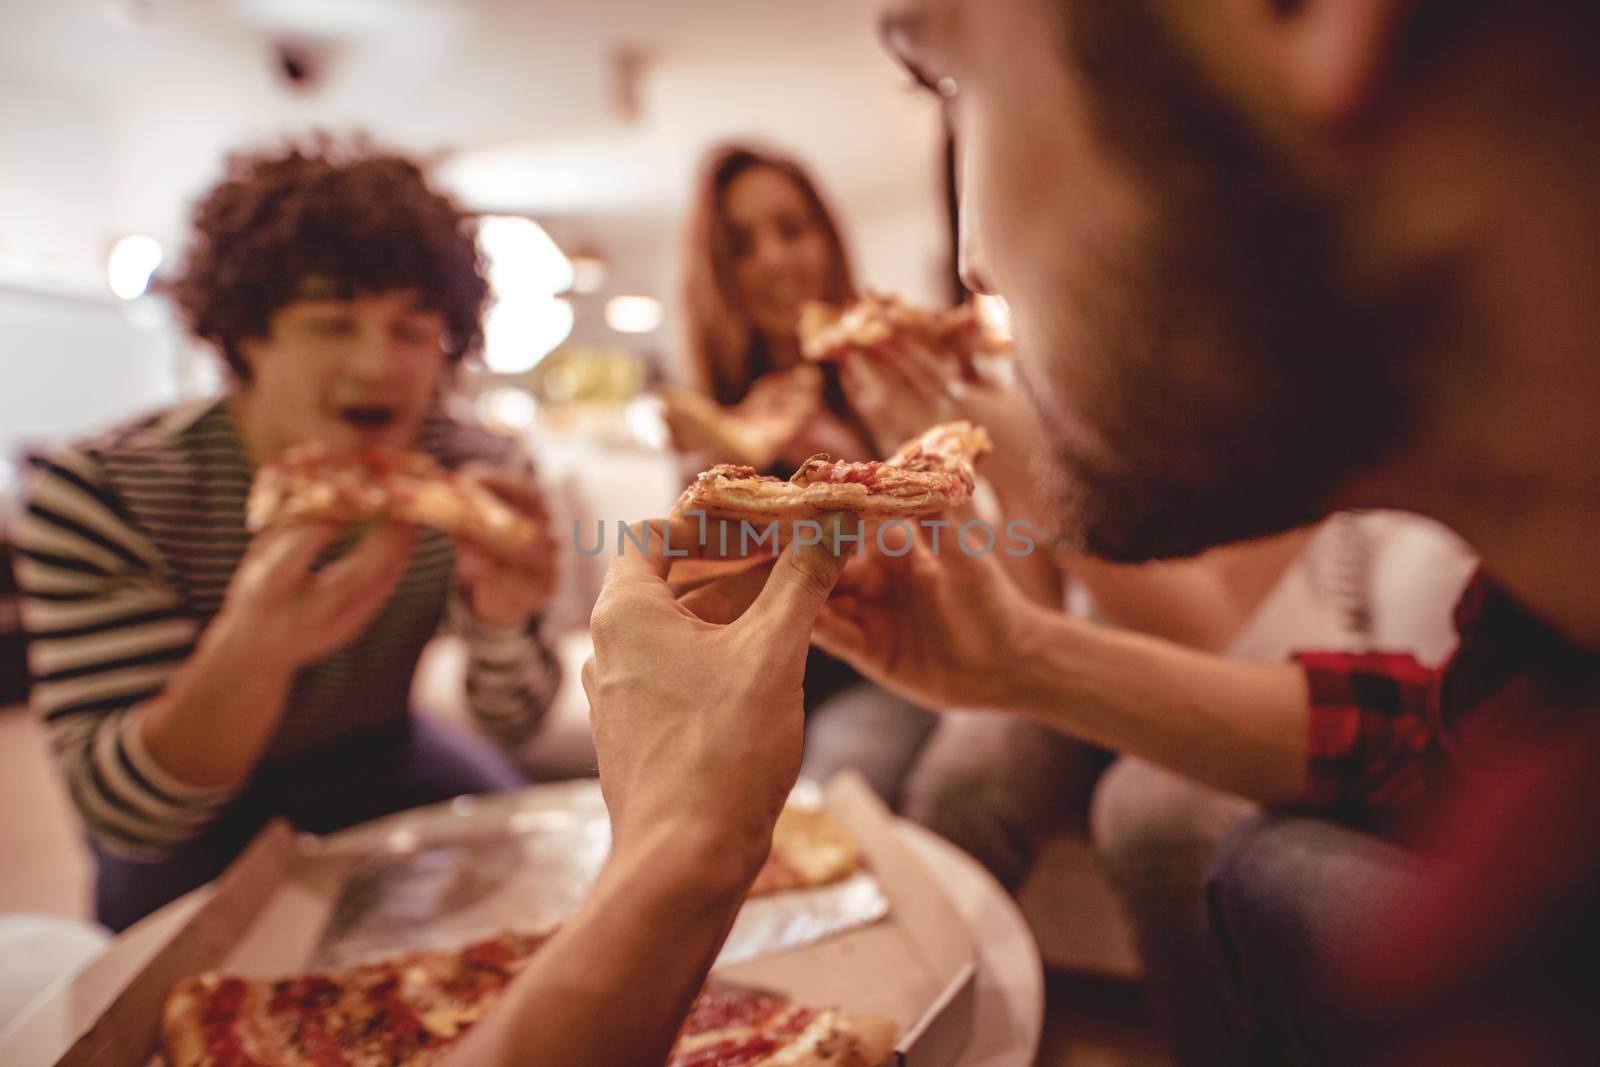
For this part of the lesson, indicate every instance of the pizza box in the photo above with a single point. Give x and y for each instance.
(265, 915)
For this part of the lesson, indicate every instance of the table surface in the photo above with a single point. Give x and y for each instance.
(1009, 1016)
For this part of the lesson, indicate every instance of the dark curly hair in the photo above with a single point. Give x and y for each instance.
(363, 220)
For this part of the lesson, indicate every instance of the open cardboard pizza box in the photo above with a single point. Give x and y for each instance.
(264, 917)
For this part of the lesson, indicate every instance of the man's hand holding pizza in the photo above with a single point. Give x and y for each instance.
(696, 705)
(211, 723)
(940, 627)
(909, 383)
(292, 614)
(951, 630)
(899, 387)
(905, 384)
(697, 727)
(509, 589)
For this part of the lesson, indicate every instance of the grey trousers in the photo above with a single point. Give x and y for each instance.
(994, 785)
(1291, 900)
(1156, 834)
(1240, 914)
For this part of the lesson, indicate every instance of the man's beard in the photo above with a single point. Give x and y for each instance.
(1240, 381)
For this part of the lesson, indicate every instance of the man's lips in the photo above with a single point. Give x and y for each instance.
(368, 417)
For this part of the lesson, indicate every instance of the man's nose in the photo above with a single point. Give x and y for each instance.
(771, 253)
(370, 359)
(969, 259)
(974, 277)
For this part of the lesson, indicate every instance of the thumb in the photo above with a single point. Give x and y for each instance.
(800, 583)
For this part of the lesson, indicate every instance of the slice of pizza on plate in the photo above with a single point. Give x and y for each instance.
(810, 848)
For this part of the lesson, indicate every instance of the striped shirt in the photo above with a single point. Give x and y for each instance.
(124, 549)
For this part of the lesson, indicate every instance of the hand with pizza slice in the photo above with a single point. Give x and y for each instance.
(505, 550)
(294, 614)
(775, 410)
(902, 368)
(908, 369)
(924, 619)
(510, 587)
(279, 613)
(933, 626)
(957, 336)
(697, 729)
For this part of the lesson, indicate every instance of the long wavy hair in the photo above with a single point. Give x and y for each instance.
(723, 349)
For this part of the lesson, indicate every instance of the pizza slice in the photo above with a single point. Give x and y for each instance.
(775, 409)
(809, 849)
(312, 483)
(932, 473)
(829, 333)
(410, 1010)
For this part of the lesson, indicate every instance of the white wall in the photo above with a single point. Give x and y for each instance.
(55, 186)
(71, 366)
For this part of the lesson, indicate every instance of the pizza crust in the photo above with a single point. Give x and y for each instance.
(182, 1042)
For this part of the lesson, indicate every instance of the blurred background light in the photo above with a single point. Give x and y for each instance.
(328, 18)
(526, 270)
(645, 419)
(132, 263)
(588, 274)
(634, 314)
(521, 257)
(507, 408)
(519, 332)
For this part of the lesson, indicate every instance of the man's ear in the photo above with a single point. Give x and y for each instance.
(247, 351)
(1332, 58)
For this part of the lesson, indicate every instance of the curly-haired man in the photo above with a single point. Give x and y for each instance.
(196, 681)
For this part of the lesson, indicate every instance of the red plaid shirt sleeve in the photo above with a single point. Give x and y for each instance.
(1375, 741)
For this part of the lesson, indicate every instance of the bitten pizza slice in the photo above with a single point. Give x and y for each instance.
(776, 408)
(312, 483)
(932, 473)
(828, 333)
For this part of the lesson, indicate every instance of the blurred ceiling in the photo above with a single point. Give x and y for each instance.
(538, 106)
